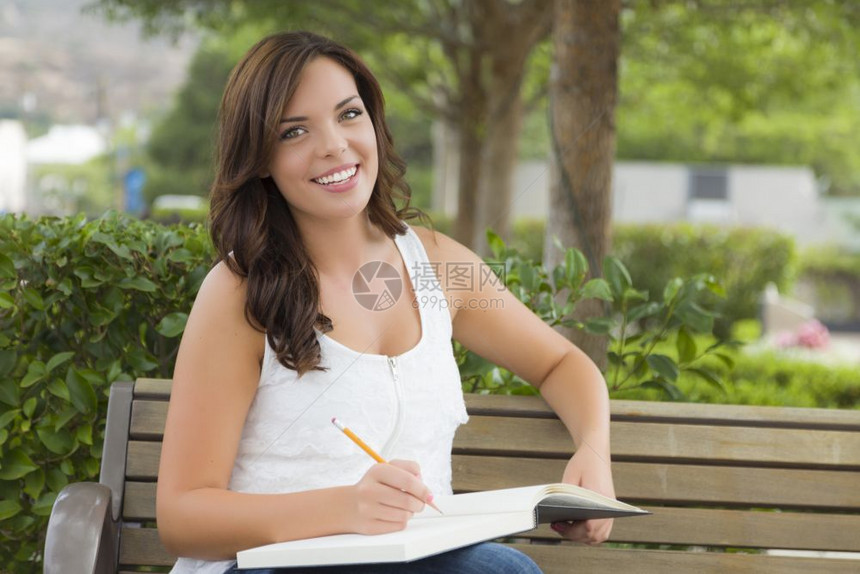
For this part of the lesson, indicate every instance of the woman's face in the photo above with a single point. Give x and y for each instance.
(325, 160)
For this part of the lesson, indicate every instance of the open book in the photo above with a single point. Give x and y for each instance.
(468, 518)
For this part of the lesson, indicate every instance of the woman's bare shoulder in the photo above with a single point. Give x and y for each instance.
(219, 309)
(443, 248)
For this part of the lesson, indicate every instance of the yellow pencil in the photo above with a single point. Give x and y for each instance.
(354, 437)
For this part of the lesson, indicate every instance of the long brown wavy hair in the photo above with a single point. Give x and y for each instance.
(252, 228)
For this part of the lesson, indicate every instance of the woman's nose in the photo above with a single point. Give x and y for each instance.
(333, 142)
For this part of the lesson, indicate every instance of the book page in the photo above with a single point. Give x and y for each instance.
(524, 498)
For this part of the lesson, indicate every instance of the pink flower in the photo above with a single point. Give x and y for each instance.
(813, 335)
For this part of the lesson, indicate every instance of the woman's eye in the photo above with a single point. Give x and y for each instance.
(291, 133)
(351, 113)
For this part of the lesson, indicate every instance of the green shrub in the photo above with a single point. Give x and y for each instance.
(745, 261)
(82, 304)
(833, 274)
(770, 379)
(636, 324)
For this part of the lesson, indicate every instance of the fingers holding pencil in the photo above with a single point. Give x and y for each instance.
(387, 497)
(425, 496)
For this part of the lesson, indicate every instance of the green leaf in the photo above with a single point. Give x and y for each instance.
(43, 506)
(30, 407)
(85, 434)
(9, 392)
(59, 389)
(59, 442)
(7, 267)
(663, 366)
(497, 245)
(597, 289)
(696, 318)
(726, 359)
(139, 284)
(16, 464)
(91, 467)
(641, 311)
(617, 276)
(180, 256)
(33, 297)
(81, 392)
(686, 346)
(8, 417)
(64, 417)
(6, 301)
(576, 265)
(673, 392)
(8, 509)
(599, 325)
(671, 290)
(708, 376)
(58, 360)
(56, 479)
(108, 241)
(36, 371)
(527, 275)
(715, 286)
(8, 358)
(34, 483)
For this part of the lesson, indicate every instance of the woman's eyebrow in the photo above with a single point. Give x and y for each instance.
(305, 118)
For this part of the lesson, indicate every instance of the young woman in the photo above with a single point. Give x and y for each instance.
(280, 339)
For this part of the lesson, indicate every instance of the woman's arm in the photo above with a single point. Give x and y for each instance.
(215, 380)
(490, 321)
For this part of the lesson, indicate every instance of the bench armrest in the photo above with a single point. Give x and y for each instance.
(82, 536)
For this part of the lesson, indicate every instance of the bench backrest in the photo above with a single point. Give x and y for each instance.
(723, 478)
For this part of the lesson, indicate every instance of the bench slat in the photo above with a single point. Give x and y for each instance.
(630, 441)
(678, 484)
(652, 411)
(665, 442)
(691, 526)
(555, 560)
(141, 546)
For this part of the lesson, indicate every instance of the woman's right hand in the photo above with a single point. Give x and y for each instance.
(387, 496)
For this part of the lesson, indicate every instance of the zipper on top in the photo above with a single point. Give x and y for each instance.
(398, 421)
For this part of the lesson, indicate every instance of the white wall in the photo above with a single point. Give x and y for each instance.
(778, 197)
(646, 192)
(781, 198)
(13, 166)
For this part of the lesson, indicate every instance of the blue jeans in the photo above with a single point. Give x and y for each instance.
(484, 558)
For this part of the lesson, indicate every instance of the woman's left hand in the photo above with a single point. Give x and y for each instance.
(590, 470)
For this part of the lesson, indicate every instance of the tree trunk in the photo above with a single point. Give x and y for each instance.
(510, 31)
(499, 160)
(583, 94)
(471, 116)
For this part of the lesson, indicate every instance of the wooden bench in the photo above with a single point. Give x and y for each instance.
(725, 483)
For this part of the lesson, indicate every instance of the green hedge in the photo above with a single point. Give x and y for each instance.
(833, 275)
(745, 260)
(82, 304)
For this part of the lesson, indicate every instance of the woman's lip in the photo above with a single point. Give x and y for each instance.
(343, 186)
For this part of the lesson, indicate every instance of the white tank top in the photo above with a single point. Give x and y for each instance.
(405, 407)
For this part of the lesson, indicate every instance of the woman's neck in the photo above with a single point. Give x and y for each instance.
(339, 248)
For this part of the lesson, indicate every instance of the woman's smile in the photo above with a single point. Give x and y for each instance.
(339, 179)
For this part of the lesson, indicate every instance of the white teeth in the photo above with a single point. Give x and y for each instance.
(337, 177)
